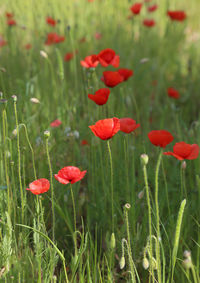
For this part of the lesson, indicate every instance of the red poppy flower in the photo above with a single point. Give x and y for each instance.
(11, 22)
(39, 186)
(111, 78)
(160, 138)
(69, 174)
(101, 96)
(106, 129)
(152, 8)
(182, 150)
(84, 142)
(2, 41)
(55, 123)
(149, 23)
(177, 15)
(108, 57)
(98, 35)
(50, 21)
(28, 46)
(125, 73)
(91, 61)
(68, 56)
(135, 9)
(128, 125)
(173, 93)
(9, 15)
(53, 38)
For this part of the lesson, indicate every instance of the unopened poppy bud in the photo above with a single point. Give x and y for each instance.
(46, 134)
(34, 100)
(43, 54)
(187, 263)
(154, 263)
(144, 159)
(187, 254)
(14, 132)
(183, 165)
(122, 262)
(145, 263)
(14, 98)
(127, 206)
(141, 194)
(112, 241)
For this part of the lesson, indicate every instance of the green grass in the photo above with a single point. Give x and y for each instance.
(172, 48)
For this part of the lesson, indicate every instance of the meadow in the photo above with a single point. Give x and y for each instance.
(99, 141)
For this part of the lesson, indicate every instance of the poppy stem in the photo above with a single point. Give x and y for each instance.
(112, 189)
(19, 158)
(74, 211)
(157, 218)
(47, 134)
(149, 216)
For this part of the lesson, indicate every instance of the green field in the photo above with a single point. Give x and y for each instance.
(130, 218)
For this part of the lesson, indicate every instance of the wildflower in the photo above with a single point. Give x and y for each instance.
(56, 123)
(177, 15)
(53, 38)
(9, 15)
(2, 41)
(68, 56)
(84, 142)
(173, 93)
(28, 46)
(11, 22)
(135, 9)
(101, 96)
(106, 129)
(108, 57)
(39, 186)
(160, 138)
(152, 8)
(111, 78)
(128, 125)
(98, 35)
(125, 73)
(182, 150)
(90, 61)
(149, 23)
(69, 174)
(50, 21)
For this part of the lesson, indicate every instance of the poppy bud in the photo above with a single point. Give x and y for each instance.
(14, 98)
(187, 263)
(46, 134)
(34, 100)
(140, 194)
(183, 165)
(144, 159)
(43, 54)
(127, 206)
(112, 241)
(122, 262)
(145, 263)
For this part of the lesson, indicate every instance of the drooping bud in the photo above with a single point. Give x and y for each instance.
(145, 263)
(122, 262)
(34, 100)
(140, 194)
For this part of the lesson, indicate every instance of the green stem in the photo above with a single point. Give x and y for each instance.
(52, 189)
(149, 216)
(19, 159)
(112, 189)
(159, 269)
(74, 212)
